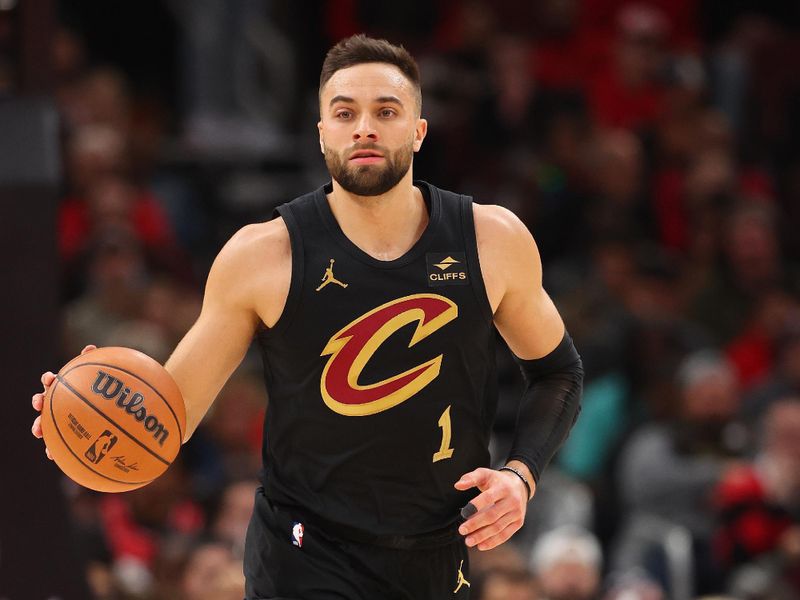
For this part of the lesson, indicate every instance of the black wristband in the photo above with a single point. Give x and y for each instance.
(519, 474)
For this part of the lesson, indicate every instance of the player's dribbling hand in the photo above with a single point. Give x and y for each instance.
(38, 401)
(501, 507)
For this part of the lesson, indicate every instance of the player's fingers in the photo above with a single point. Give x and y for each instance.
(47, 379)
(478, 478)
(485, 499)
(88, 348)
(485, 517)
(37, 401)
(47, 452)
(485, 533)
(500, 537)
(36, 429)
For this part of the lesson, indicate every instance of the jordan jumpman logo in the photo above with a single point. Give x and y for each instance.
(329, 278)
(461, 579)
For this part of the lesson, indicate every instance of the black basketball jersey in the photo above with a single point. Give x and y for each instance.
(381, 374)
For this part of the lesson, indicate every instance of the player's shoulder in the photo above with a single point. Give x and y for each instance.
(256, 248)
(495, 217)
(268, 233)
(253, 268)
(266, 239)
(506, 248)
(498, 226)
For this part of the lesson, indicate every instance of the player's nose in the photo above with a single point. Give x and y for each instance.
(365, 129)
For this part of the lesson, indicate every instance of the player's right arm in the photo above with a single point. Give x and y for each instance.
(248, 283)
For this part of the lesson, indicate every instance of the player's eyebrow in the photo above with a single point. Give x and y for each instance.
(379, 100)
(340, 98)
(389, 99)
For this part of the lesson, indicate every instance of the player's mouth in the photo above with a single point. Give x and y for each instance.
(366, 157)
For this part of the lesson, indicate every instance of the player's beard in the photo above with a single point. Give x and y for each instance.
(369, 180)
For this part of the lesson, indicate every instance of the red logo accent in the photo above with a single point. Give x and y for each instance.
(352, 347)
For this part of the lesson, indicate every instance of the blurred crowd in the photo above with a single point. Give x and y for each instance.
(651, 149)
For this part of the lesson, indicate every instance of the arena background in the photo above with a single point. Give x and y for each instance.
(651, 147)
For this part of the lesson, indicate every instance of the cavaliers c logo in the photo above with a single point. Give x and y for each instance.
(351, 348)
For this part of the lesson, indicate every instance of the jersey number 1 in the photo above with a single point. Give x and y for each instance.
(445, 451)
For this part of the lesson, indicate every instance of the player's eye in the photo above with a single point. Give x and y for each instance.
(343, 114)
(386, 112)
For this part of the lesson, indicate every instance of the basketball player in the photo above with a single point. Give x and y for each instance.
(374, 301)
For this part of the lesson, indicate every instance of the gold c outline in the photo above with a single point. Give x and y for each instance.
(423, 330)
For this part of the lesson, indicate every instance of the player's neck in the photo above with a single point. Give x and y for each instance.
(385, 226)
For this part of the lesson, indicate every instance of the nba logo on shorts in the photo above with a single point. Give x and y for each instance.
(297, 534)
(101, 446)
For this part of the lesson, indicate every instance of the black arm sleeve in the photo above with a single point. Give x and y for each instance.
(549, 406)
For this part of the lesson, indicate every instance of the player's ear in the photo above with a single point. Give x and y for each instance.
(321, 141)
(420, 132)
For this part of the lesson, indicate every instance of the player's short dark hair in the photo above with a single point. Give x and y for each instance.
(359, 49)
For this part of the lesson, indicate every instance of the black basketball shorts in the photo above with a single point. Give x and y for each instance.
(287, 558)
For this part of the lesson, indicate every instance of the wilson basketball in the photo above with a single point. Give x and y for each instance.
(113, 419)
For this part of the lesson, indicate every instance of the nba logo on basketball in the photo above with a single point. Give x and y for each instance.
(297, 534)
(101, 446)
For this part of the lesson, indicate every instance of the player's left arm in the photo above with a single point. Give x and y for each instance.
(532, 327)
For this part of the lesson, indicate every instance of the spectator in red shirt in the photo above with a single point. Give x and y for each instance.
(758, 504)
(112, 201)
(628, 93)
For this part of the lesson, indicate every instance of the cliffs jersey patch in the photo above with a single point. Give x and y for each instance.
(446, 268)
